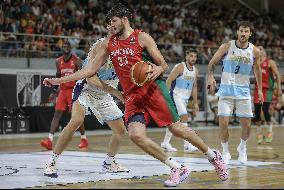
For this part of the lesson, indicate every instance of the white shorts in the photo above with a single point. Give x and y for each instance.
(181, 105)
(243, 107)
(104, 108)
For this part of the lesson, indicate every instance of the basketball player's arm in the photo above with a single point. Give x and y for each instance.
(91, 68)
(216, 59)
(78, 63)
(58, 74)
(276, 73)
(194, 93)
(97, 82)
(160, 66)
(258, 73)
(173, 75)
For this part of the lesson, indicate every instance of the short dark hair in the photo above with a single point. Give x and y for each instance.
(190, 50)
(119, 10)
(246, 24)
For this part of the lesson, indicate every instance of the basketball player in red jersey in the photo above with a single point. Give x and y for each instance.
(127, 47)
(66, 65)
(269, 72)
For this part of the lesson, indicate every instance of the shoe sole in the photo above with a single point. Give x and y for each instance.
(182, 181)
(166, 150)
(242, 162)
(53, 175)
(190, 151)
(44, 146)
(109, 171)
(227, 161)
(83, 146)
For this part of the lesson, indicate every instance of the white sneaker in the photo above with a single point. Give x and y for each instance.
(114, 168)
(190, 148)
(168, 147)
(226, 157)
(50, 171)
(242, 155)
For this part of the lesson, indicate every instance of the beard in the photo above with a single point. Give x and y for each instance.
(120, 31)
(243, 39)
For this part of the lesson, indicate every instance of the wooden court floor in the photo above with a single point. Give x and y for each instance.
(264, 177)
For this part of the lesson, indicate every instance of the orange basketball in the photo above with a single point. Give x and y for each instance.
(138, 73)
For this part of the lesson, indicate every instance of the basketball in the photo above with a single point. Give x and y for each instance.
(139, 75)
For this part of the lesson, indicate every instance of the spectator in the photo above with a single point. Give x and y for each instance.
(199, 24)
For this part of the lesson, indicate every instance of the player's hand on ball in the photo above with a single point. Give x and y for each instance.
(155, 71)
(53, 81)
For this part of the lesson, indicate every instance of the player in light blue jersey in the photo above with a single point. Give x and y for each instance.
(238, 57)
(182, 83)
(93, 94)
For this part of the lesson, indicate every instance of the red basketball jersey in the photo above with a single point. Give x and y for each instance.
(267, 77)
(124, 54)
(67, 68)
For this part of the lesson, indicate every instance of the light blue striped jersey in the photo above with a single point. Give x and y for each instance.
(105, 73)
(237, 66)
(183, 84)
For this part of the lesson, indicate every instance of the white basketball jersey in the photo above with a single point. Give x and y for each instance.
(184, 83)
(237, 65)
(105, 73)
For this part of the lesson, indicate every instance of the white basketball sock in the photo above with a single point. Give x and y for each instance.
(243, 144)
(172, 163)
(210, 154)
(259, 129)
(168, 136)
(109, 159)
(53, 159)
(50, 136)
(269, 127)
(225, 146)
(83, 137)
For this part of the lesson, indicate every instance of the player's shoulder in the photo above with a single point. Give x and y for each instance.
(59, 58)
(195, 68)
(180, 66)
(143, 35)
(226, 45)
(99, 42)
(271, 61)
(256, 51)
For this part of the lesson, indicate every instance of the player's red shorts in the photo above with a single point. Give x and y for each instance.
(153, 100)
(267, 95)
(64, 100)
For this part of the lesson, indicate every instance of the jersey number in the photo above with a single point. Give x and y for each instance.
(237, 69)
(122, 61)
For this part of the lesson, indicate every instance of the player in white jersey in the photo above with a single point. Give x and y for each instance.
(238, 57)
(94, 97)
(182, 83)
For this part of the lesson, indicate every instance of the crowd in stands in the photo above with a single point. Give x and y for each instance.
(173, 24)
